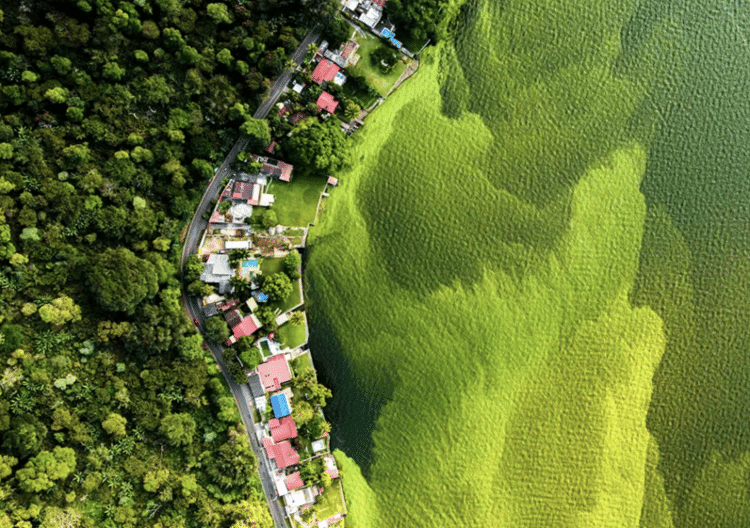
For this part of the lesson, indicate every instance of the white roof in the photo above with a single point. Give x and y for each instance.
(339, 79)
(318, 446)
(237, 244)
(281, 319)
(266, 200)
(281, 488)
(297, 498)
(351, 5)
(297, 87)
(372, 17)
(220, 264)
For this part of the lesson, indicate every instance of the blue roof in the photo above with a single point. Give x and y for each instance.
(280, 405)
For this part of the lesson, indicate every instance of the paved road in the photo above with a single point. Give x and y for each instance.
(281, 83)
(192, 304)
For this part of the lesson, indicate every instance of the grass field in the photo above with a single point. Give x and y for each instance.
(375, 78)
(471, 283)
(295, 202)
(329, 503)
(292, 335)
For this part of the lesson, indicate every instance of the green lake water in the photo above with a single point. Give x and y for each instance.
(531, 293)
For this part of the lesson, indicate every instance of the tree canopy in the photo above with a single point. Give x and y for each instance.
(121, 280)
(320, 147)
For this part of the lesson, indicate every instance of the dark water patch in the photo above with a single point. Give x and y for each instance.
(694, 272)
(354, 408)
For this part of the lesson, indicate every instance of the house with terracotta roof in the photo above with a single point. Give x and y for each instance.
(326, 70)
(249, 192)
(294, 481)
(327, 102)
(274, 372)
(282, 453)
(274, 168)
(282, 429)
(333, 182)
(248, 326)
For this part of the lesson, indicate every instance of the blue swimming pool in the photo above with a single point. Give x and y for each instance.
(250, 263)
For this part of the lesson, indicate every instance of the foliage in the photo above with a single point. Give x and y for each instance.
(306, 387)
(60, 311)
(277, 286)
(114, 115)
(320, 147)
(179, 428)
(269, 219)
(292, 261)
(217, 329)
(121, 280)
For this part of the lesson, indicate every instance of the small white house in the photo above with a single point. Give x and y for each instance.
(237, 244)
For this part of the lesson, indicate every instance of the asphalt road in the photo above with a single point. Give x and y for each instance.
(193, 306)
(281, 83)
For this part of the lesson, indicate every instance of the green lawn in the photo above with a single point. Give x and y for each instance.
(381, 82)
(329, 503)
(265, 349)
(295, 202)
(269, 266)
(292, 335)
(302, 363)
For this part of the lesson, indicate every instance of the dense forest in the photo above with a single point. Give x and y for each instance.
(114, 115)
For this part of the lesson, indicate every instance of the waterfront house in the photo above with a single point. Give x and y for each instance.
(274, 372)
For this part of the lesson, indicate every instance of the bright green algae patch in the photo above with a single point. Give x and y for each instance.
(474, 270)
(513, 403)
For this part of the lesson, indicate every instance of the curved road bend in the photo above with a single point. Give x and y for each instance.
(193, 306)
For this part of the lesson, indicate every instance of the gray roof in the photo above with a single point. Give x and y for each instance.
(210, 310)
(256, 387)
(217, 269)
(335, 57)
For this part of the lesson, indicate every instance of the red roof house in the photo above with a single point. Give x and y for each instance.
(247, 327)
(381, 3)
(333, 182)
(283, 429)
(327, 102)
(271, 147)
(294, 481)
(283, 453)
(274, 372)
(247, 191)
(242, 190)
(326, 70)
(286, 171)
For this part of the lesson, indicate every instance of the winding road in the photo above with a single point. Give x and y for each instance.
(193, 305)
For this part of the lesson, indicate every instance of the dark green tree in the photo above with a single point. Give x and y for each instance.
(217, 330)
(277, 286)
(120, 280)
(320, 146)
